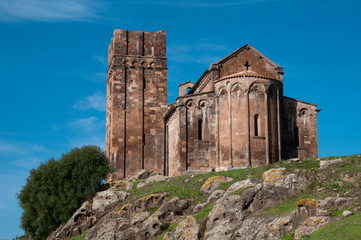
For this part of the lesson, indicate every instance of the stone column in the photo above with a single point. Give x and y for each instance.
(266, 128)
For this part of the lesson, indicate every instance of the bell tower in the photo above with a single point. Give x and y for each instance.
(136, 102)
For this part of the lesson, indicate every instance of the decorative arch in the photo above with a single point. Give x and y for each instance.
(144, 64)
(304, 112)
(134, 63)
(190, 104)
(237, 90)
(272, 91)
(127, 63)
(203, 103)
(223, 93)
(257, 89)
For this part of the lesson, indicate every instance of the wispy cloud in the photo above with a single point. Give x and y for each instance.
(207, 3)
(86, 124)
(48, 10)
(22, 148)
(87, 131)
(102, 59)
(98, 77)
(204, 52)
(96, 101)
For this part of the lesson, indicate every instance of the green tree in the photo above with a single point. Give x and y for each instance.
(57, 188)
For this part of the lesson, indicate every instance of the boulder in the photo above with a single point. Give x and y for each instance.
(106, 198)
(212, 183)
(156, 178)
(311, 224)
(242, 184)
(170, 212)
(88, 215)
(188, 229)
(346, 213)
(265, 227)
(213, 197)
(122, 184)
(144, 174)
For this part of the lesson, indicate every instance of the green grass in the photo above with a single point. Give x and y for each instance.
(346, 229)
(202, 214)
(80, 237)
(289, 236)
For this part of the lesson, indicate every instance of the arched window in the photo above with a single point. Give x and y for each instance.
(257, 125)
(200, 126)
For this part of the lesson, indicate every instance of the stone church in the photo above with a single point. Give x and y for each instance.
(234, 116)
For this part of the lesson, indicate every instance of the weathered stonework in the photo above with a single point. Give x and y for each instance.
(234, 116)
(136, 102)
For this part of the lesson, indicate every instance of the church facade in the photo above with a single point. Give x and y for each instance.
(234, 116)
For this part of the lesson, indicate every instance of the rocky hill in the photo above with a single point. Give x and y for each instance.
(293, 199)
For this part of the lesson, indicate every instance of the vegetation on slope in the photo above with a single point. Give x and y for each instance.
(340, 180)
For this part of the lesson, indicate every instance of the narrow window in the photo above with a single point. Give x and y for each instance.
(256, 125)
(200, 123)
(297, 143)
(143, 80)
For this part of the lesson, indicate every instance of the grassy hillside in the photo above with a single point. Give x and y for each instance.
(339, 180)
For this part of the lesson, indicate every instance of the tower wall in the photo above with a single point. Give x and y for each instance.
(136, 102)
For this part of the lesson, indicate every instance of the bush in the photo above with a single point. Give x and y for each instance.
(57, 188)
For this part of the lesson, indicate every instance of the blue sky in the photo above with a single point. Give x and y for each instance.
(53, 63)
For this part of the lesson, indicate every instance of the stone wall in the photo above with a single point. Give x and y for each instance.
(136, 101)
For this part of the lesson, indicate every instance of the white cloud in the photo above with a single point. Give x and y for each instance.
(48, 10)
(87, 131)
(22, 148)
(102, 59)
(96, 101)
(204, 52)
(208, 3)
(98, 77)
(86, 124)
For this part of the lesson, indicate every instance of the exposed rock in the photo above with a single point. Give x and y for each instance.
(150, 201)
(310, 225)
(170, 212)
(346, 213)
(314, 214)
(273, 176)
(227, 213)
(122, 184)
(213, 197)
(139, 217)
(88, 214)
(188, 229)
(144, 174)
(265, 227)
(156, 178)
(327, 163)
(242, 184)
(106, 198)
(212, 183)
(141, 184)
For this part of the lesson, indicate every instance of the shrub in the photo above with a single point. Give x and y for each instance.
(57, 188)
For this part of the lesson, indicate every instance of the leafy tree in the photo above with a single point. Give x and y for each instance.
(57, 188)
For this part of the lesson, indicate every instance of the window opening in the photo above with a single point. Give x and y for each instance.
(200, 126)
(256, 125)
